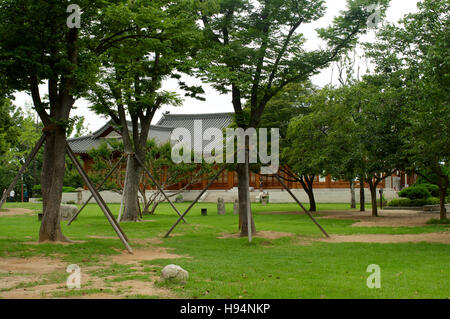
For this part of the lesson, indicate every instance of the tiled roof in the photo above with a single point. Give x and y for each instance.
(160, 132)
(209, 120)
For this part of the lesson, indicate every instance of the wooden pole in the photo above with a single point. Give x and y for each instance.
(98, 187)
(158, 186)
(99, 199)
(299, 203)
(29, 159)
(196, 200)
(122, 201)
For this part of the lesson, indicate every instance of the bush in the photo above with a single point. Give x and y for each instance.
(432, 189)
(434, 221)
(415, 192)
(37, 191)
(399, 202)
(68, 189)
(433, 201)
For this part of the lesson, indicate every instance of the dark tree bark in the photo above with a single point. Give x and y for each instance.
(244, 197)
(373, 197)
(131, 210)
(308, 185)
(362, 196)
(52, 179)
(443, 210)
(352, 194)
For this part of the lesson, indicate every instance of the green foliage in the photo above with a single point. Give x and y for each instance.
(415, 192)
(413, 55)
(400, 202)
(255, 49)
(434, 221)
(68, 189)
(432, 189)
(37, 191)
(406, 202)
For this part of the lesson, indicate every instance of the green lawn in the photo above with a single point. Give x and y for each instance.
(233, 268)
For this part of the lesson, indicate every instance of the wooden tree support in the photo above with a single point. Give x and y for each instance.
(196, 200)
(99, 187)
(158, 186)
(99, 199)
(83, 174)
(29, 159)
(301, 205)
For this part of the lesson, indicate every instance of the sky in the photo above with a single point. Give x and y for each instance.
(216, 102)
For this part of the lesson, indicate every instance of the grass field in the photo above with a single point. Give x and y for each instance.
(287, 267)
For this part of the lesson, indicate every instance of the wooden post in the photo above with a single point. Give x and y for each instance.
(299, 203)
(99, 187)
(99, 199)
(29, 159)
(157, 185)
(196, 200)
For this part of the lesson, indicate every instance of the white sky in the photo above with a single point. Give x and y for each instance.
(222, 103)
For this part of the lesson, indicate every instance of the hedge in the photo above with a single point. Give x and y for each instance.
(415, 192)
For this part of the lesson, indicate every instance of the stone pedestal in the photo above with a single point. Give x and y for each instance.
(80, 196)
(220, 206)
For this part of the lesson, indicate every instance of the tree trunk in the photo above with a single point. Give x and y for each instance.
(443, 211)
(244, 195)
(131, 210)
(352, 194)
(373, 197)
(52, 180)
(308, 184)
(312, 200)
(362, 196)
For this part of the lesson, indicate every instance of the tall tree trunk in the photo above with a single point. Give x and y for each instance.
(52, 180)
(244, 196)
(373, 197)
(352, 194)
(362, 196)
(308, 186)
(443, 211)
(131, 210)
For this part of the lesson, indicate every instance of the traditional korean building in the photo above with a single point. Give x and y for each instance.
(228, 180)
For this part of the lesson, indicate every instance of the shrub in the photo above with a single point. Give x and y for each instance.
(435, 221)
(433, 201)
(406, 202)
(68, 189)
(398, 202)
(37, 191)
(432, 189)
(415, 192)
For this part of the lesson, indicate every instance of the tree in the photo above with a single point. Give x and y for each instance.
(41, 45)
(254, 49)
(20, 134)
(415, 54)
(158, 159)
(131, 82)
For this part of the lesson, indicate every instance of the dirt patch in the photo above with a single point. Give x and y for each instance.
(40, 265)
(24, 278)
(16, 211)
(260, 234)
(144, 254)
(398, 218)
(443, 238)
